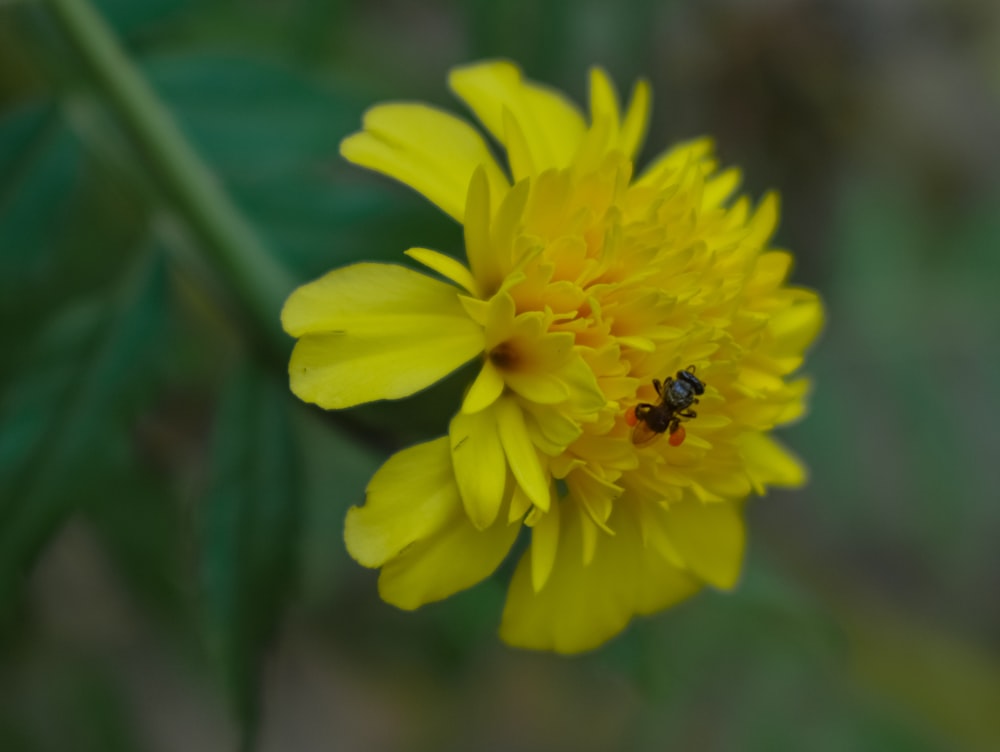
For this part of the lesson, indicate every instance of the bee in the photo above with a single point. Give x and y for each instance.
(677, 394)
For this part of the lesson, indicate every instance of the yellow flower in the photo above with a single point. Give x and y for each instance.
(584, 283)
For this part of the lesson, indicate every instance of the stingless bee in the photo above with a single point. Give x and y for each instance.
(677, 394)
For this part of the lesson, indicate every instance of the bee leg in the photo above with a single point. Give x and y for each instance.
(690, 369)
(688, 414)
(658, 386)
(675, 423)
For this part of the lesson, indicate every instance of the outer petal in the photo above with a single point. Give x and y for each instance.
(430, 150)
(762, 224)
(720, 187)
(661, 584)
(769, 463)
(604, 105)
(633, 130)
(795, 327)
(414, 522)
(544, 546)
(710, 538)
(551, 125)
(375, 331)
(456, 557)
(579, 607)
(410, 497)
(674, 159)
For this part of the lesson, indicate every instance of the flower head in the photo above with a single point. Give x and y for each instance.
(588, 293)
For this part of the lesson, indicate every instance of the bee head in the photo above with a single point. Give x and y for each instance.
(691, 380)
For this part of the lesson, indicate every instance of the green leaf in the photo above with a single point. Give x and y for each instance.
(39, 162)
(23, 132)
(249, 532)
(272, 134)
(72, 391)
(66, 230)
(129, 17)
(255, 119)
(141, 530)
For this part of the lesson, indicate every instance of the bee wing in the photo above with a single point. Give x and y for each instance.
(643, 435)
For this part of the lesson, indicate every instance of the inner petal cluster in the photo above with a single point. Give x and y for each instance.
(605, 284)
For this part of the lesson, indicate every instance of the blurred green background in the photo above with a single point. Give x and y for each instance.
(172, 573)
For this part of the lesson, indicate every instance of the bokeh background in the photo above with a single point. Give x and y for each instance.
(172, 573)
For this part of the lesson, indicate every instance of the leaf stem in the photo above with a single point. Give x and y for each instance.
(261, 283)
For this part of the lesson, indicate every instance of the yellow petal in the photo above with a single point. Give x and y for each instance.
(633, 130)
(480, 467)
(507, 223)
(446, 266)
(455, 557)
(520, 504)
(485, 264)
(499, 323)
(795, 327)
(769, 463)
(551, 430)
(710, 538)
(370, 299)
(588, 537)
(544, 546)
(430, 150)
(552, 126)
(521, 453)
(579, 607)
(597, 495)
(771, 270)
(543, 388)
(519, 155)
(585, 392)
(604, 101)
(410, 497)
(485, 390)
(375, 331)
(478, 310)
(674, 159)
(336, 371)
(720, 187)
(764, 221)
(651, 516)
(593, 146)
(661, 584)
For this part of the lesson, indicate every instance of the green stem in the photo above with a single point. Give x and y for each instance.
(260, 282)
